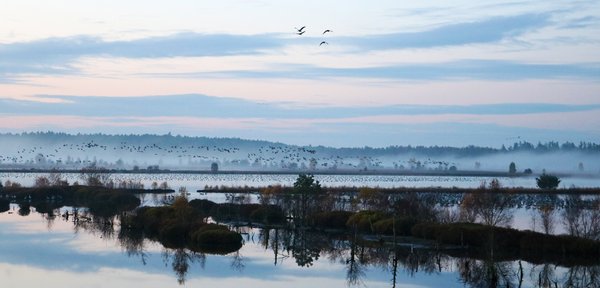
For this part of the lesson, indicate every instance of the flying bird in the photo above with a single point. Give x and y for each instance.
(301, 32)
(301, 29)
(323, 43)
(327, 31)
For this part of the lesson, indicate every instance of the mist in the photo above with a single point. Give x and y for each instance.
(159, 152)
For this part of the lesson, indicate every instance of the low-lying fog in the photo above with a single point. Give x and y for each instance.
(63, 151)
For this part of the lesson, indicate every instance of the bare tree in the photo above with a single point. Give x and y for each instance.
(41, 182)
(489, 205)
(468, 212)
(95, 176)
(372, 199)
(56, 179)
(547, 216)
(582, 221)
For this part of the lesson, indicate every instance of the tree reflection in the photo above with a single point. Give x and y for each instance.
(582, 218)
(181, 259)
(544, 276)
(24, 209)
(355, 270)
(237, 262)
(486, 273)
(349, 251)
(305, 247)
(97, 225)
(580, 276)
(133, 244)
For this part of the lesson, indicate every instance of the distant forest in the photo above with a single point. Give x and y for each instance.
(49, 150)
(168, 139)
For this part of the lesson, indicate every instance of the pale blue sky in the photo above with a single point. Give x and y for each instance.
(394, 72)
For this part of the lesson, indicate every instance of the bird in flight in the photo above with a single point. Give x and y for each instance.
(300, 32)
(327, 31)
(323, 42)
(301, 29)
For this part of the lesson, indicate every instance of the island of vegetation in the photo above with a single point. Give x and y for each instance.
(470, 222)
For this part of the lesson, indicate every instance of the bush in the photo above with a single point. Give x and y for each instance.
(217, 237)
(211, 226)
(364, 220)
(4, 205)
(228, 211)
(546, 181)
(512, 168)
(331, 219)
(202, 205)
(403, 226)
(24, 209)
(173, 234)
(268, 215)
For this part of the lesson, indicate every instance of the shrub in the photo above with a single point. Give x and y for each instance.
(546, 181)
(216, 242)
(403, 226)
(216, 238)
(268, 214)
(24, 209)
(331, 219)
(202, 205)
(4, 205)
(211, 226)
(364, 220)
(512, 168)
(173, 234)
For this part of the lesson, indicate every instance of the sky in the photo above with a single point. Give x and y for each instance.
(393, 72)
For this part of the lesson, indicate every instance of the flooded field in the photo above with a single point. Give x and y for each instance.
(195, 182)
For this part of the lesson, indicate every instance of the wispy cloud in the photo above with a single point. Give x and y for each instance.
(464, 69)
(484, 31)
(582, 22)
(183, 44)
(56, 55)
(219, 107)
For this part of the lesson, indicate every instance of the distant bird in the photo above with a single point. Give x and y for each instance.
(327, 31)
(323, 43)
(300, 33)
(301, 29)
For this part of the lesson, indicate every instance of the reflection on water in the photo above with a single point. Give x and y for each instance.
(71, 245)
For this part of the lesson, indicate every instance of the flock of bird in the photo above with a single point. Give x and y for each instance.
(121, 154)
(77, 155)
(300, 31)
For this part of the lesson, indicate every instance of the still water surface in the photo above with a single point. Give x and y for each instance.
(37, 250)
(41, 251)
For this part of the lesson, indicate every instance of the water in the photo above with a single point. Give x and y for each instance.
(38, 250)
(195, 182)
(41, 251)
